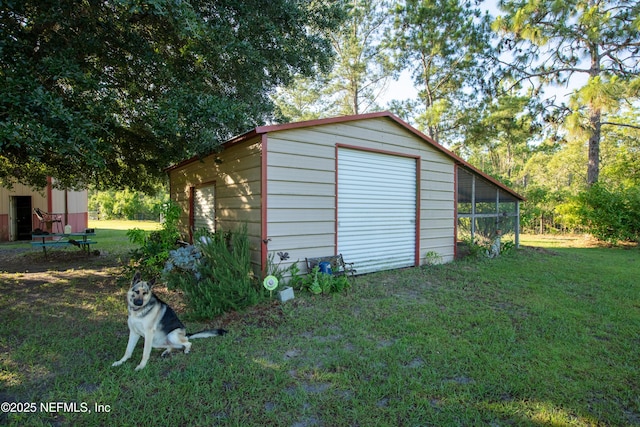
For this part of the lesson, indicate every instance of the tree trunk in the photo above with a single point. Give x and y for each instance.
(593, 165)
(356, 99)
(541, 224)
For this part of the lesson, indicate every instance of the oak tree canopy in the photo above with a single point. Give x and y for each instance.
(110, 92)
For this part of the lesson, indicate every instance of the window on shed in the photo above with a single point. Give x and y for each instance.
(203, 208)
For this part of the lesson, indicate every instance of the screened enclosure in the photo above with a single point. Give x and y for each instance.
(485, 210)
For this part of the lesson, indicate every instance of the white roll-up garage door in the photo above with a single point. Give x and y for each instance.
(376, 210)
(204, 211)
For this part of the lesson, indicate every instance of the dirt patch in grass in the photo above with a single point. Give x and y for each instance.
(37, 278)
(45, 278)
(538, 249)
(17, 259)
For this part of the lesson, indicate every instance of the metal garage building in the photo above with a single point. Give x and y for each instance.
(368, 186)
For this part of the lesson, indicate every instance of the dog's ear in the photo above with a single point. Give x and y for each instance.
(152, 282)
(136, 278)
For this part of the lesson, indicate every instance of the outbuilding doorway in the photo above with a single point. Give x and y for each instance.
(21, 218)
(203, 208)
(377, 195)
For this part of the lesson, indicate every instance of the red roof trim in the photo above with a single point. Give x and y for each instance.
(260, 130)
(319, 122)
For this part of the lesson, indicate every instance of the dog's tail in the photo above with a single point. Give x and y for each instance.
(207, 333)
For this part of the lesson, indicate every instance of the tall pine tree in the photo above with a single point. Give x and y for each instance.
(552, 41)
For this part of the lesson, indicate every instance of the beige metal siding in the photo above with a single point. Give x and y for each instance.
(77, 201)
(38, 198)
(7, 218)
(301, 189)
(302, 182)
(74, 209)
(236, 172)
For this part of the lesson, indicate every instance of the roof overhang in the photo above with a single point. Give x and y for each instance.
(260, 130)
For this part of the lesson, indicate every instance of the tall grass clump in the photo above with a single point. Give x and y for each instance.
(221, 279)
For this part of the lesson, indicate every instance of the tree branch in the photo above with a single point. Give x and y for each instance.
(621, 125)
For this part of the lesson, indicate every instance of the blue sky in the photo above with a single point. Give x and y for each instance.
(403, 88)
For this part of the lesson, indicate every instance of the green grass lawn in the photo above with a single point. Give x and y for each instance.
(547, 335)
(111, 236)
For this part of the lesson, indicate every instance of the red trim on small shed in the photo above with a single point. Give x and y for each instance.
(455, 212)
(418, 206)
(49, 195)
(335, 201)
(192, 192)
(264, 236)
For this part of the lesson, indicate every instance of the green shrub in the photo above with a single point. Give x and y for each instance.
(127, 204)
(433, 258)
(476, 249)
(154, 247)
(507, 247)
(224, 279)
(322, 283)
(481, 248)
(611, 215)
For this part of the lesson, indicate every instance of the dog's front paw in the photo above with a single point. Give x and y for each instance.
(118, 363)
(140, 366)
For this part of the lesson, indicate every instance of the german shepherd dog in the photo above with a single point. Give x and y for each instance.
(153, 319)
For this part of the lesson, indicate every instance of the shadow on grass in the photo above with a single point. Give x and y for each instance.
(537, 338)
(56, 326)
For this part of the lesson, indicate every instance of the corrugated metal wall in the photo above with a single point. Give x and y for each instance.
(300, 208)
(236, 173)
(302, 199)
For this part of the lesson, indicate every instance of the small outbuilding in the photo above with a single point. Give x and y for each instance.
(18, 204)
(370, 187)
